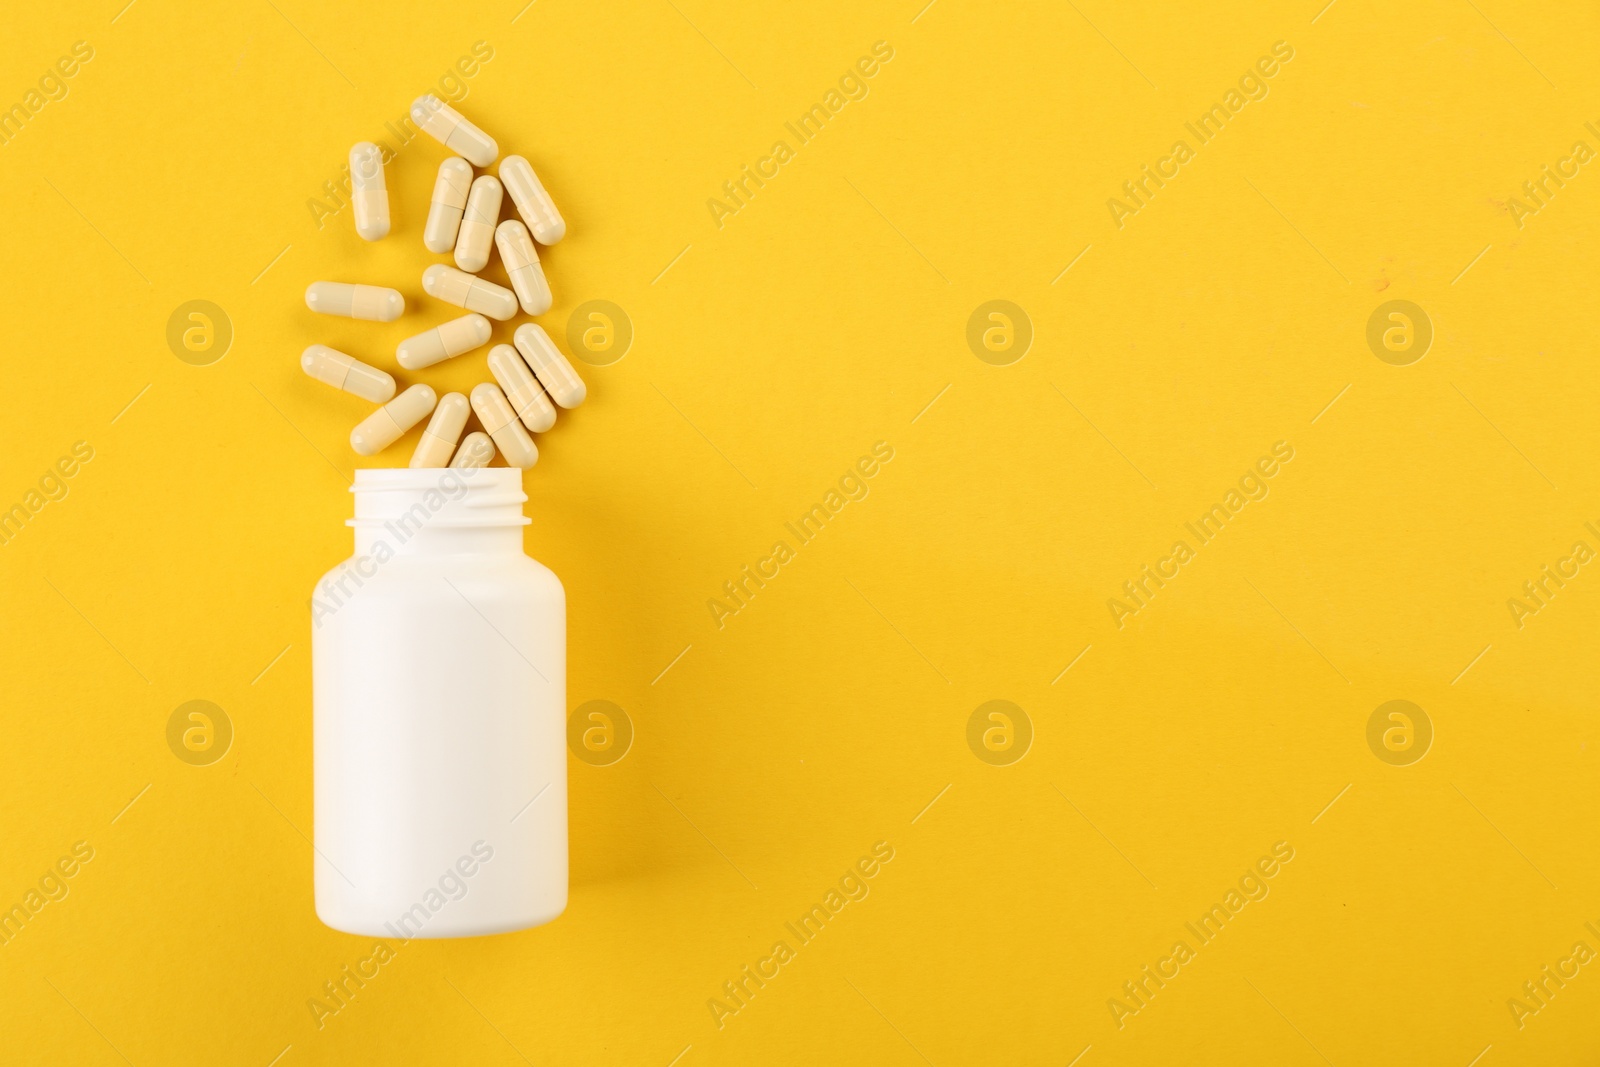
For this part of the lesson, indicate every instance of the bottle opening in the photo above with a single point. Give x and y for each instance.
(438, 497)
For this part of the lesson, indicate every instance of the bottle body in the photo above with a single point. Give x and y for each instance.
(439, 695)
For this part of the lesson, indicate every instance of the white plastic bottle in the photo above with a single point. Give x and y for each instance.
(439, 692)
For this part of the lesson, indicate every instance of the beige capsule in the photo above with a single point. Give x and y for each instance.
(469, 291)
(443, 341)
(367, 192)
(374, 303)
(497, 417)
(522, 263)
(386, 425)
(449, 201)
(476, 451)
(527, 397)
(439, 436)
(533, 203)
(546, 360)
(347, 373)
(477, 225)
(450, 128)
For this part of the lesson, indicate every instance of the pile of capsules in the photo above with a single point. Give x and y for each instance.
(463, 216)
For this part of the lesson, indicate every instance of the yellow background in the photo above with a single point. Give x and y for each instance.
(768, 355)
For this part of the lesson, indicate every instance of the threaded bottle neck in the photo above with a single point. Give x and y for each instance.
(427, 510)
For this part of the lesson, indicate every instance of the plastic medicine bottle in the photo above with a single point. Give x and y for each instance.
(439, 696)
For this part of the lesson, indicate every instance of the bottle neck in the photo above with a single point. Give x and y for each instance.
(438, 511)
